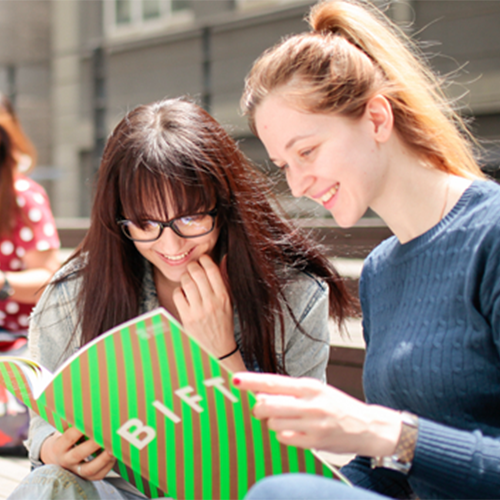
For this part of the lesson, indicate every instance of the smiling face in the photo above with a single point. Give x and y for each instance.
(334, 160)
(171, 254)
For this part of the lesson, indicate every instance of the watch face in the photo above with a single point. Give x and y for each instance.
(391, 462)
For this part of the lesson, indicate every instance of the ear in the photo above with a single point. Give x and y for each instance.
(379, 112)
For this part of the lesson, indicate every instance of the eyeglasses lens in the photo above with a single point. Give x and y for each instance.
(194, 225)
(149, 231)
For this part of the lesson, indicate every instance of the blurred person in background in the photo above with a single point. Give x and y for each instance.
(28, 257)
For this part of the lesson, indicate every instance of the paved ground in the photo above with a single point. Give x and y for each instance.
(12, 471)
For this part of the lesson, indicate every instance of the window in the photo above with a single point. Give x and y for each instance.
(259, 4)
(127, 17)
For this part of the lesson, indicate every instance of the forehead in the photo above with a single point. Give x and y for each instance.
(163, 202)
(280, 125)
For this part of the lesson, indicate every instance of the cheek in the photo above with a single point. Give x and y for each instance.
(144, 250)
(212, 240)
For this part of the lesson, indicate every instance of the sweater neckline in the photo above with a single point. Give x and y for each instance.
(408, 249)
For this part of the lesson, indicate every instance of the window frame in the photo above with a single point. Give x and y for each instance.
(140, 26)
(260, 4)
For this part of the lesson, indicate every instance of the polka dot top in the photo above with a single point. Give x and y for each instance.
(39, 234)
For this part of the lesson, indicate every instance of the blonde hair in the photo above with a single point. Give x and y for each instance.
(353, 54)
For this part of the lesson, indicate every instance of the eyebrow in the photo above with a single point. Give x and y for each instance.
(293, 140)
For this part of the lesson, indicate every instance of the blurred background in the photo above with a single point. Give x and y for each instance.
(74, 67)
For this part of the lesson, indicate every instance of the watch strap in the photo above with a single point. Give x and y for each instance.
(402, 458)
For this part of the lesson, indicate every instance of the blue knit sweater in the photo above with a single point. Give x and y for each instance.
(431, 319)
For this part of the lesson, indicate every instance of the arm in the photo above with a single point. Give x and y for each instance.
(306, 352)
(51, 326)
(51, 341)
(28, 284)
(36, 236)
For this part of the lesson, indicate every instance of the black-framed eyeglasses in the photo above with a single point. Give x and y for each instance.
(187, 226)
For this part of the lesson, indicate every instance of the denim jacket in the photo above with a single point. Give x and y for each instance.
(55, 318)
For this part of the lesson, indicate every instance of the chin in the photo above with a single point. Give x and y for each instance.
(346, 221)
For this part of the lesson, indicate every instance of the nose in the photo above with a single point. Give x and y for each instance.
(170, 243)
(298, 180)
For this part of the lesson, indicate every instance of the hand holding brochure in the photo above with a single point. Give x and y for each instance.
(165, 408)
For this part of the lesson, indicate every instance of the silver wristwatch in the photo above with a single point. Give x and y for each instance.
(402, 458)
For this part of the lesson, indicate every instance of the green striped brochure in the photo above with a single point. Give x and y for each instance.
(165, 408)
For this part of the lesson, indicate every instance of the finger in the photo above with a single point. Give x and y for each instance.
(97, 468)
(279, 406)
(294, 439)
(180, 302)
(214, 275)
(295, 425)
(277, 384)
(223, 271)
(199, 276)
(191, 290)
(70, 437)
(82, 451)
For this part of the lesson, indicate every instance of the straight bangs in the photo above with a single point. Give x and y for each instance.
(162, 192)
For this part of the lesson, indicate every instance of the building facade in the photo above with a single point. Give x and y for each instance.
(25, 68)
(76, 66)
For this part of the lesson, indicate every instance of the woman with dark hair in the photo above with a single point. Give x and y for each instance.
(180, 219)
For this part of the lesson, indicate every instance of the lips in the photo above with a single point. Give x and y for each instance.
(175, 260)
(176, 257)
(326, 197)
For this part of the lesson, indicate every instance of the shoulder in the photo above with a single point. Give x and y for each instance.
(36, 229)
(302, 291)
(482, 197)
(29, 192)
(54, 327)
(478, 223)
(70, 270)
(63, 289)
(379, 256)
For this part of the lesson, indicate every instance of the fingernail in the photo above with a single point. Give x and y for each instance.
(236, 381)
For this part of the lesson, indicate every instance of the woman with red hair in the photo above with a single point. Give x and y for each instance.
(28, 257)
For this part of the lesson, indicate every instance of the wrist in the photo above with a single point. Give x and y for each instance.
(401, 459)
(384, 429)
(230, 353)
(46, 450)
(6, 290)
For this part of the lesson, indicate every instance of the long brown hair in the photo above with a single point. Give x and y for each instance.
(174, 146)
(354, 53)
(12, 139)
